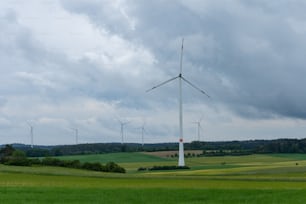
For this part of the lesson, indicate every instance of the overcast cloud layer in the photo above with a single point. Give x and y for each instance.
(87, 63)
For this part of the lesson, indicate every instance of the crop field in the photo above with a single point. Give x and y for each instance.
(277, 178)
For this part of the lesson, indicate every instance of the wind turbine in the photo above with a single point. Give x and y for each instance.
(31, 133)
(142, 133)
(198, 123)
(122, 124)
(76, 131)
(181, 161)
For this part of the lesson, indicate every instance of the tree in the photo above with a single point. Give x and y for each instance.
(18, 158)
(6, 152)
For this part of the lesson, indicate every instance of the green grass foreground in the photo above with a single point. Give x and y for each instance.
(88, 195)
(242, 179)
(33, 188)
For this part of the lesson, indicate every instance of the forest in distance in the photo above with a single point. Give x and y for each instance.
(220, 148)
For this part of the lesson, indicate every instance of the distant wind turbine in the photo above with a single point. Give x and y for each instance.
(181, 161)
(31, 134)
(76, 131)
(198, 123)
(122, 124)
(143, 130)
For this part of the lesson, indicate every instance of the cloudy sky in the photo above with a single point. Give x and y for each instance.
(86, 64)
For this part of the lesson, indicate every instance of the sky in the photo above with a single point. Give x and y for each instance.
(86, 65)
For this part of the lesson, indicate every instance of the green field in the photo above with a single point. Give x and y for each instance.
(278, 178)
(130, 157)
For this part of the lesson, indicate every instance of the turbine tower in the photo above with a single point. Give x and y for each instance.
(198, 123)
(142, 133)
(31, 134)
(122, 124)
(181, 161)
(76, 131)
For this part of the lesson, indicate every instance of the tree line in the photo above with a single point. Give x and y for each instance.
(11, 156)
(208, 148)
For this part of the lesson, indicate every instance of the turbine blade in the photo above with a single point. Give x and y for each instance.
(181, 60)
(162, 83)
(195, 87)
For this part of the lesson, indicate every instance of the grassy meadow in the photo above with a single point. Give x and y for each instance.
(277, 178)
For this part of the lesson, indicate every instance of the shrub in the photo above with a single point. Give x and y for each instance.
(18, 158)
(48, 161)
(113, 167)
(35, 161)
(10, 156)
(5, 153)
(75, 164)
(167, 168)
(92, 166)
(142, 169)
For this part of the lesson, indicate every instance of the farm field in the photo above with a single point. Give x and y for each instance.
(277, 178)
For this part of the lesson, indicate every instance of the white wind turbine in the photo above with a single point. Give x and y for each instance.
(143, 130)
(181, 161)
(198, 123)
(122, 124)
(31, 133)
(76, 132)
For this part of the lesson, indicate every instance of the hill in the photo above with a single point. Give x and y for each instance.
(208, 148)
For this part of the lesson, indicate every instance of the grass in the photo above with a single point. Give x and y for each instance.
(290, 156)
(129, 157)
(131, 161)
(229, 179)
(194, 196)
